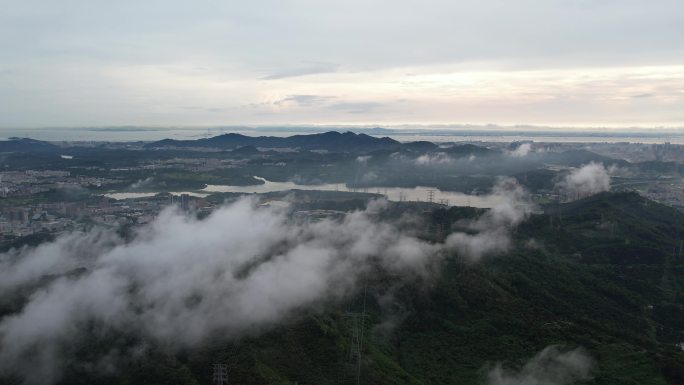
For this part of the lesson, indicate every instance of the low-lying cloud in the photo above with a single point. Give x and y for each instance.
(142, 183)
(489, 234)
(521, 150)
(552, 366)
(181, 280)
(590, 179)
(363, 158)
(433, 158)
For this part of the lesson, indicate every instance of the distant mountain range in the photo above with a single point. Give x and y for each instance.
(25, 145)
(331, 141)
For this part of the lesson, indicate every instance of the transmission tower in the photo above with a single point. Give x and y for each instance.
(431, 195)
(356, 338)
(220, 374)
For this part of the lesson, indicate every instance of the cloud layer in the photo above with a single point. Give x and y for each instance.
(530, 61)
(552, 366)
(590, 179)
(181, 280)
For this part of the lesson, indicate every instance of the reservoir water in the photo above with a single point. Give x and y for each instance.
(419, 193)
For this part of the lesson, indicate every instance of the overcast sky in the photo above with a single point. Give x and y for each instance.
(170, 62)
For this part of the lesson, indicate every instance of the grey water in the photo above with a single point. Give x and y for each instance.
(419, 193)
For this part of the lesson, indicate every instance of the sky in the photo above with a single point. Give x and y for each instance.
(583, 63)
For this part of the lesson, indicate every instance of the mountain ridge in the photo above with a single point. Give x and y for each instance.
(331, 141)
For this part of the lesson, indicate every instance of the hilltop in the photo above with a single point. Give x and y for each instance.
(451, 328)
(331, 141)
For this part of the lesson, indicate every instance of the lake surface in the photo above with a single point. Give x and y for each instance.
(391, 193)
(134, 195)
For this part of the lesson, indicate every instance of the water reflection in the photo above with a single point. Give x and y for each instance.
(134, 195)
(420, 193)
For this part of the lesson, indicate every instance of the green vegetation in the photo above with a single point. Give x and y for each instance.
(605, 273)
(574, 285)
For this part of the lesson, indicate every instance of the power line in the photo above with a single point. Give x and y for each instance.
(220, 374)
(356, 338)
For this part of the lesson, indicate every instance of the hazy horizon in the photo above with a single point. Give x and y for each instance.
(456, 127)
(403, 133)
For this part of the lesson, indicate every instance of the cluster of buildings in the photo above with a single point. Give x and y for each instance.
(640, 152)
(59, 217)
(667, 190)
(24, 221)
(26, 183)
(194, 164)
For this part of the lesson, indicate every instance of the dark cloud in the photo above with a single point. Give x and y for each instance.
(312, 69)
(304, 100)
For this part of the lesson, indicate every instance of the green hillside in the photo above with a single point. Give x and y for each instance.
(599, 273)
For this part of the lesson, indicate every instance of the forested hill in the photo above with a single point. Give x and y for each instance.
(603, 273)
(332, 140)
